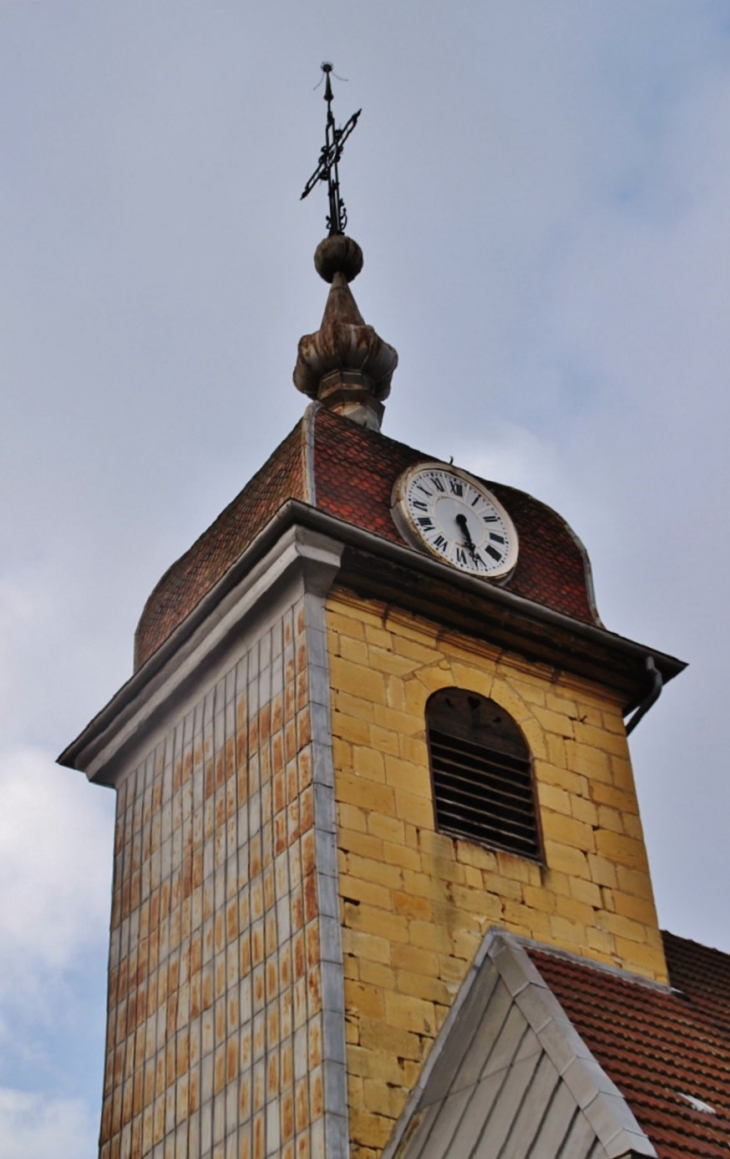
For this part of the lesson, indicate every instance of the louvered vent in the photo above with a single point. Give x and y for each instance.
(482, 773)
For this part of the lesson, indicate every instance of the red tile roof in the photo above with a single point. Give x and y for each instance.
(354, 470)
(193, 575)
(658, 1046)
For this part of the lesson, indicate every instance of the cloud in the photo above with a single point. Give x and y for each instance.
(541, 193)
(35, 1127)
(510, 453)
(55, 862)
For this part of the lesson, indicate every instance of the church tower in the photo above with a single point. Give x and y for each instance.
(374, 715)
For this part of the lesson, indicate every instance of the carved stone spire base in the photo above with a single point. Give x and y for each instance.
(345, 365)
(350, 394)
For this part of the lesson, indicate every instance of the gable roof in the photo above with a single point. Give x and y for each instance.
(545, 1055)
(510, 1078)
(659, 1045)
(348, 472)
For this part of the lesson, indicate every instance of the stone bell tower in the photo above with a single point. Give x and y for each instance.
(374, 713)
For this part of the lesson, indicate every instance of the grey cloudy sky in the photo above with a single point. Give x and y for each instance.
(541, 192)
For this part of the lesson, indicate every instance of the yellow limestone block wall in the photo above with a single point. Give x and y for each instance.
(416, 903)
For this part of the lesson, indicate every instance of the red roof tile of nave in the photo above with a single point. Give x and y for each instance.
(354, 471)
(703, 975)
(656, 1045)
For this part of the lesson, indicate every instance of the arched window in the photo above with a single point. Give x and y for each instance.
(482, 773)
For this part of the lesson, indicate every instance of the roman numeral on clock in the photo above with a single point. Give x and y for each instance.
(441, 543)
(496, 555)
(426, 523)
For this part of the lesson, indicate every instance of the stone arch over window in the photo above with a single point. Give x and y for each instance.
(481, 772)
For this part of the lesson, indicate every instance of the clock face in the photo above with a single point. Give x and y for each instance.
(456, 519)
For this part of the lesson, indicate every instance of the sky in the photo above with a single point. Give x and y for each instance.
(542, 194)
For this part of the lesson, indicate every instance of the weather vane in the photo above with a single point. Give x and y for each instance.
(327, 169)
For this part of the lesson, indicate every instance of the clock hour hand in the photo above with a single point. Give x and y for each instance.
(461, 520)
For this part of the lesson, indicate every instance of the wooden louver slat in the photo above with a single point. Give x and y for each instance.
(484, 794)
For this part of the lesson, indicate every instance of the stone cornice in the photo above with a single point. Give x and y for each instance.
(323, 548)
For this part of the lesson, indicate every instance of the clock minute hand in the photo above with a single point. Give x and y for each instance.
(461, 520)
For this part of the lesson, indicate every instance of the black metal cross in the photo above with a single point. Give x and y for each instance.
(327, 170)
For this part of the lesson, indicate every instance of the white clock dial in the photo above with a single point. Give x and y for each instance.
(455, 518)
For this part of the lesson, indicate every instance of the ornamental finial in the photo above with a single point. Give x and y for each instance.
(329, 157)
(345, 365)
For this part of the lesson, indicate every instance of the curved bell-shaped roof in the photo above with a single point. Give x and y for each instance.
(348, 471)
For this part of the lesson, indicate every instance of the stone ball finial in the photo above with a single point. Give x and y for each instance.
(338, 254)
(344, 365)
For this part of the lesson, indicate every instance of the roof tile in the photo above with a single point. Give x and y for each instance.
(354, 472)
(657, 1045)
(192, 576)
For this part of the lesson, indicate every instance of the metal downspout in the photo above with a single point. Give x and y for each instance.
(653, 696)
